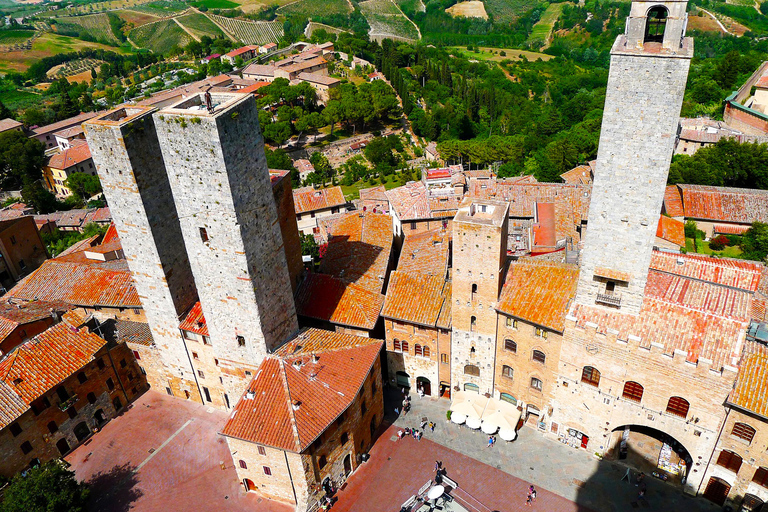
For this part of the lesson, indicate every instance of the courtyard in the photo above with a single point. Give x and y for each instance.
(165, 454)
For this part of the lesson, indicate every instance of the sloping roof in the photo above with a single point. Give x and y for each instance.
(730, 229)
(328, 298)
(416, 298)
(8, 124)
(111, 234)
(242, 50)
(13, 315)
(133, 332)
(744, 275)
(426, 253)
(413, 202)
(581, 175)
(308, 199)
(194, 321)
(317, 78)
(76, 154)
(539, 292)
(66, 123)
(259, 69)
(48, 359)
(737, 205)
(671, 230)
(373, 199)
(295, 399)
(11, 405)
(359, 249)
(750, 391)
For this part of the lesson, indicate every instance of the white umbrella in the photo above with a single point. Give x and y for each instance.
(472, 406)
(507, 434)
(489, 428)
(501, 414)
(458, 418)
(473, 423)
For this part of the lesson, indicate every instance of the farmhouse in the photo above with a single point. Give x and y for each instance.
(244, 52)
(10, 125)
(45, 134)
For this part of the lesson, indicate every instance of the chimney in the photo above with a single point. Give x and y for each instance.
(250, 395)
(315, 358)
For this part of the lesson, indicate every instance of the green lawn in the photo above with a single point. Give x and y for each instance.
(18, 99)
(542, 28)
(494, 54)
(353, 191)
(15, 36)
(217, 4)
(728, 252)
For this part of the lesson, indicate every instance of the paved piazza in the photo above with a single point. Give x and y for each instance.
(164, 454)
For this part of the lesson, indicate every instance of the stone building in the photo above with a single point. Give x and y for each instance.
(19, 321)
(417, 315)
(214, 160)
(21, 248)
(314, 204)
(125, 147)
(646, 84)
(479, 265)
(745, 110)
(532, 308)
(319, 405)
(286, 215)
(57, 389)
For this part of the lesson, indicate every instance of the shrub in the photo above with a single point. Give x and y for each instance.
(718, 243)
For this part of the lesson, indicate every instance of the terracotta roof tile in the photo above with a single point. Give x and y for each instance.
(581, 175)
(671, 230)
(444, 319)
(750, 391)
(426, 253)
(612, 274)
(414, 202)
(66, 123)
(416, 298)
(725, 229)
(293, 399)
(11, 405)
(673, 202)
(48, 359)
(328, 298)
(19, 313)
(194, 321)
(308, 199)
(539, 292)
(74, 155)
(744, 275)
(737, 205)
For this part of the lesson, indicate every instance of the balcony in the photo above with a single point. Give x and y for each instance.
(68, 403)
(609, 299)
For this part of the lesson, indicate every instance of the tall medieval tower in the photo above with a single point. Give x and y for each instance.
(479, 259)
(126, 151)
(218, 173)
(646, 83)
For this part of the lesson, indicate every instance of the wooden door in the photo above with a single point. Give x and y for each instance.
(717, 490)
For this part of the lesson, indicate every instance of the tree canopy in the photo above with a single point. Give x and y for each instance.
(46, 488)
(728, 163)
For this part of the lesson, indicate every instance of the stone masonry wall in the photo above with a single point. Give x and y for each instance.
(642, 106)
(408, 362)
(132, 173)
(221, 186)
(286, 214)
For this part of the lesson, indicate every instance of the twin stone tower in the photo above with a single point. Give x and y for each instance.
(190, 194)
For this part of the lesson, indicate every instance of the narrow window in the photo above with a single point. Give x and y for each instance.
(633, 391)
(507, 371)
(267, 471)
(72, 412)
(472, 323)
(590, 376)
(678, 406)
(110, 384)
(243, 465)
(123, 363)
(405, 346)
(396, 345)
(322, 461)
(52, 427)
(204, 235)
(136, 355)
(26, 447)
(417, 350)
(15, 429)
(425, 351)
(761, 477)
(510, 346)
(240, 341)
(262, 451)
(363, 407)
(474, 291)
(91, 398)
(536, 384)
(207, 394)
(344, 438)
(195, 356)
(444, 359)
(729, 460)
(201, 374)
(100, 364)
(539, 356)
(81, 378)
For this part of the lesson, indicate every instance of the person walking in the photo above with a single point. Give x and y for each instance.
(490, 441)
(532, 492)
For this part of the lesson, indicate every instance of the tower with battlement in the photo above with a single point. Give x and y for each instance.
(214, 157)
(126, 151)
(646, 83)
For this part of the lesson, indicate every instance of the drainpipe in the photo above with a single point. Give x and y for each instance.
(191, 365)
(290, 477)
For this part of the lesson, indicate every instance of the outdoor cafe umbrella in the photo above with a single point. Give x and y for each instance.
(458, 418)
(472, 406)
(501, 415)
(473, 423)
(489, 428)
(507, 434)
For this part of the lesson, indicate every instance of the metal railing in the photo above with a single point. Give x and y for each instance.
(610, 299)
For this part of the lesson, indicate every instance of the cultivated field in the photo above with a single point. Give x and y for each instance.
(46, 45)
(412, 5)
(95, 25)
(80, 68)
(135, 19)
(387, 21)
(703, 23)
(11, 37)
(200, 25)
(251, 32)
(316, 7)
(471, 9)
(162, 8)
(160, 37)
(216, 4)
(505, 11)
(543, 28)
(312, 26)
(494, 54)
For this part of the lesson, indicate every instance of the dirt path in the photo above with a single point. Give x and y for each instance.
(719, 24)
(185, 29)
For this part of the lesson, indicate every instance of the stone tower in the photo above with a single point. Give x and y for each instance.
(125, 148)
(479, 262)
(221, 185)
(646, 83)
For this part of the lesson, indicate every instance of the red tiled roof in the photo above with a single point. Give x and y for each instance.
(294, 399)
(724, 229)
(66, 123)
(194, 321)
(74, 155)
(48, 359)
(416, 298)
(328, 298)
(539, 292)
(111, 234)
(242, 50)
(762, 82)
(615, 275)
(673, 202)
(671, 230)
(373, 199)
(544, 233)
(737, 205)
(413, 202)
(750, 391)
(581, 175)
(13, 315)
(426, 253)
(11, 405)
(99, 215)
(359, 249)
(434, 174)
(253, 87)
(308, 199)
(744, 275)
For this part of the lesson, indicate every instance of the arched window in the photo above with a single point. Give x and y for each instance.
(761, 477)
(678, 406)
(743, 431)
(405, 346)
(591, 376)
(472, 323)
(417, 350)
(425, 351)
(81, 378)
(506, 397)
(52, 427)
(507, 371)
(633, 391)
(510, 346)
(655, 24)
(536, 384)
(471, 387)
(321, 462)
(729, 460)
(539, 356)
(243, 465)
(472, 370)
(474, 291)
(396, 345)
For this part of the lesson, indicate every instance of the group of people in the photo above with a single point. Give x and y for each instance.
(531, 496)
(406, 404)
(491, 441)
(414, 432)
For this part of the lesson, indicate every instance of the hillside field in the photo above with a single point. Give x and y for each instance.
(251, 32)
(160, 37)
(15, 36)
(316, 7)
(200, 25)
(543, 27)
(45, 46)
(386, 19)
(162, 8)
(505, 11)
(95, 25)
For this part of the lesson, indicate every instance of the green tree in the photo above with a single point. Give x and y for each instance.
(21, 160)
(46, 488)
(5, 112)
(83, 186)
(754, 243)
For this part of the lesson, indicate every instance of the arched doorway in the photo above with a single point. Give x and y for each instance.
(347, 465)
(717, 490)
(98, 417)
(648, 449)
(403, 380)
(655, 23)
(249, 485)
(425, 385)
(751, 503)
(63, 446)
(82, 431)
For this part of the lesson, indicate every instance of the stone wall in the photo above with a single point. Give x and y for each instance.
(22, 245)
(743, 120)
(286, 214)
(126, 151)
(221, 187)
(642, 107)
(407, 361)
(207, 372)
